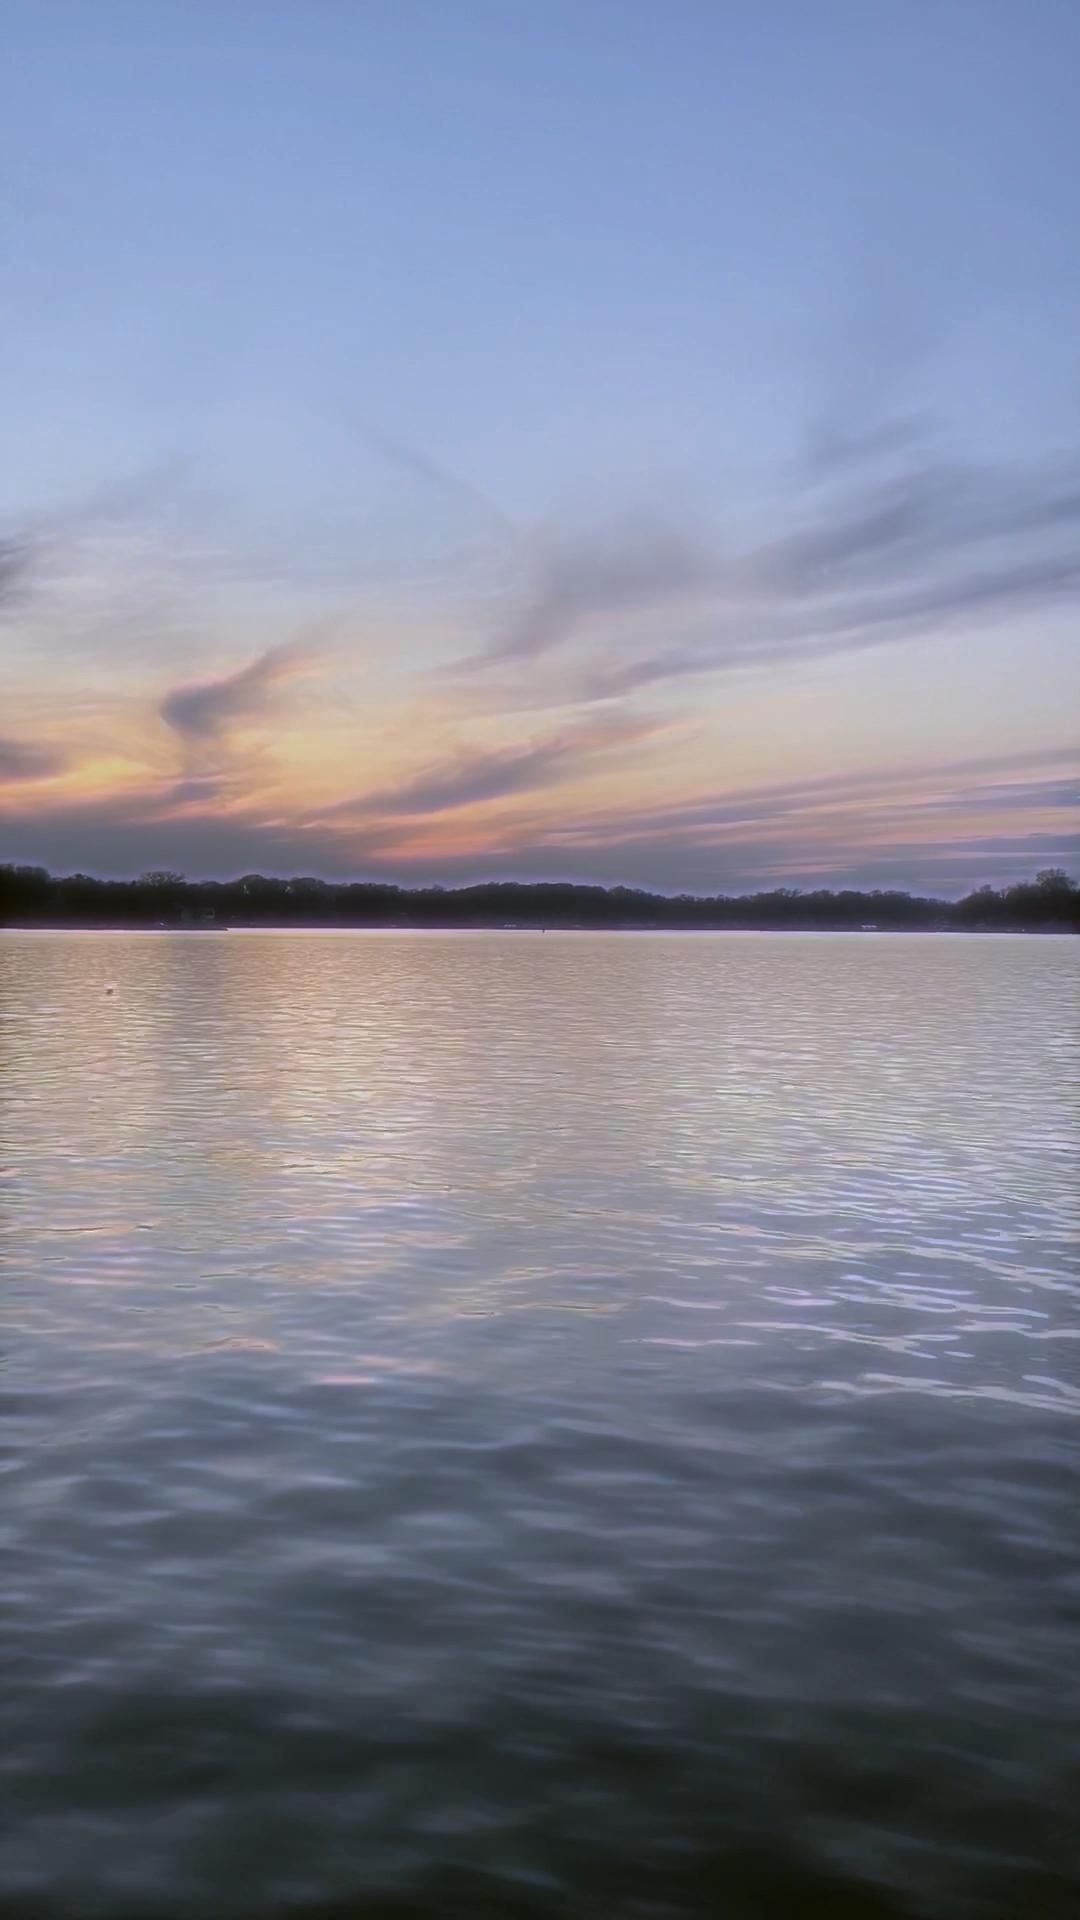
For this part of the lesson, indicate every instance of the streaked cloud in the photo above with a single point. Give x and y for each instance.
(946, 827)
(203, 709)
(885, 544)
(419, 464)
(854, 806)
(878, 539)
(14, 564)
(469, 778)
(27, 760)
(640, 562)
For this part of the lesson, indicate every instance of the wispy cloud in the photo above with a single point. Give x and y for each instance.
(880, 540)
(640, 562)
(26, 760)
(204, 709)
(976, 783)
(43, 535)
(14, 564)
(884, 543)
(469, 778)
(941, 828)
(424, 467)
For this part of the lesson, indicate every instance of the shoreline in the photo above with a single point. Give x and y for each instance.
(495, 926)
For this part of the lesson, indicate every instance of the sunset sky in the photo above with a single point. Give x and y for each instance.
(599, 439)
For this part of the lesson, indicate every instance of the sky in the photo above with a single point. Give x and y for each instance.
(596, 440)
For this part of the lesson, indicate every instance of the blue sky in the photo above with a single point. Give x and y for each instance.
(346, 344)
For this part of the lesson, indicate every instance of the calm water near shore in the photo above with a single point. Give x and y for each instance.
(578, 1425)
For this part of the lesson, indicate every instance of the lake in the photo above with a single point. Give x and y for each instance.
(517, 1424)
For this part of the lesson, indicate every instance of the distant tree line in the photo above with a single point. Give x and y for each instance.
(31, 897)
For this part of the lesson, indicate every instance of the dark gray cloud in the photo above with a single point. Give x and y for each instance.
(25, 760)
(853, 625)
(19, 557)
(836, 444)
(893, 518)
(931, 515)
(206, 708)
(14, 565)
(199, 789)
(1014, 796)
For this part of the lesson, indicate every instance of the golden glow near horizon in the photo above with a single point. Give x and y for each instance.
(596, 490)
(766, 782)
(579, 718)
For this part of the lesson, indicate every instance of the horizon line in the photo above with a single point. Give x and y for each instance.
(169, 880)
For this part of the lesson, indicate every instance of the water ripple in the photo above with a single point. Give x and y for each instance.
(581, 1426)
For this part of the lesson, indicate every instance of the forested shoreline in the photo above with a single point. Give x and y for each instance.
(32, 897)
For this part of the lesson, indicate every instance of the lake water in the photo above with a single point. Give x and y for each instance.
(539, 1425)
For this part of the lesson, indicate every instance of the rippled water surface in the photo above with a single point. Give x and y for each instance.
(518, 1424)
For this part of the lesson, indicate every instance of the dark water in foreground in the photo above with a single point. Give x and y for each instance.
(539, 1425)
